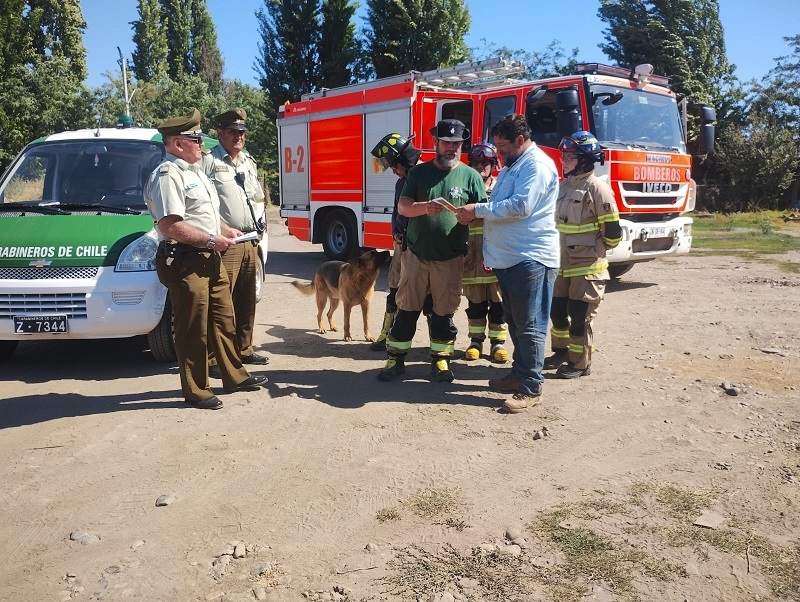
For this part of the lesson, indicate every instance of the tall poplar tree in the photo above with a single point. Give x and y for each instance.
(177, 20)
(683, 39)
(288, 61)
(340, 52)
(150, 42)
(206, 59)
(405, 35)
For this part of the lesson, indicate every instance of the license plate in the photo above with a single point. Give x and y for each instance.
(40, 324)
(656, 232)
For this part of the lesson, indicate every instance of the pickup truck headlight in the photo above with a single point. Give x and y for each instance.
(140, 255)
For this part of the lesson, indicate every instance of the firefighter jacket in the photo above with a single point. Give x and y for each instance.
(473, 262)
(588, 222)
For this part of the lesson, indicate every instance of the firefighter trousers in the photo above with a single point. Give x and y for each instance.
(575, 304)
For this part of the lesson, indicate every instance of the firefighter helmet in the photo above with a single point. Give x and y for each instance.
(395, 148)
(484, 151)
(582, 143)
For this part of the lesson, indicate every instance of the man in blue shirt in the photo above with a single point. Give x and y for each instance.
(521, 245)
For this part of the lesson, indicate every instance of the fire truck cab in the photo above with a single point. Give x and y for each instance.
(331, 193)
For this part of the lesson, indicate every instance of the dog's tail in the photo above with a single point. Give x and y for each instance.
(307, 288)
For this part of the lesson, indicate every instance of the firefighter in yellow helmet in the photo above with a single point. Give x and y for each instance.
(479, 285)
(397, 153)
(588, 223)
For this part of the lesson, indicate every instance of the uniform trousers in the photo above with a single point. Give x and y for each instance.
(202, 317)
(240, 264)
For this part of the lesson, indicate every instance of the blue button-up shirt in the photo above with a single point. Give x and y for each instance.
(519, 218)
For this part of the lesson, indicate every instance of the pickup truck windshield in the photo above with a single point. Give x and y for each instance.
(625, 117)
(83, 173)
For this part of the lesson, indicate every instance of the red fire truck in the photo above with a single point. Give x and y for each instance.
(331, 194)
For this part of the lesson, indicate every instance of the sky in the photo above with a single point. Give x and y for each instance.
(754, 31)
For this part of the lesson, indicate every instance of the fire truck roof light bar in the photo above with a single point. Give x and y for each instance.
(636, 74)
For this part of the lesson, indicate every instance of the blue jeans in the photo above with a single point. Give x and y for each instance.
(527, 293)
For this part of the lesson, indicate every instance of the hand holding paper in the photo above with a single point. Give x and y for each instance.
(245, 237)
(444, 203)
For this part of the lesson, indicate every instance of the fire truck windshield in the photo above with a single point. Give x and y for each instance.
(635, 118)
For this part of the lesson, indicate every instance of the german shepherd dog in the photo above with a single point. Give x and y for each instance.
(351, 282)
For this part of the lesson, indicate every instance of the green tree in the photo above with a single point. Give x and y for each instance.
(778, 98)
(680, 38)
(177, 23)
(42, 67)
(778, 95)
(550, 62)
(56, 28)
(405, 35)
(287, 63)
(150, 42)
(206, 59)
(750, 169)
(339, 47)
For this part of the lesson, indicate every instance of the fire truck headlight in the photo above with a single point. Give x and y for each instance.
(687, 229)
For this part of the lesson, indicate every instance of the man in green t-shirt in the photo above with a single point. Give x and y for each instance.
(437, 244)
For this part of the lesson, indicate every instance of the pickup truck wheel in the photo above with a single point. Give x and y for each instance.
(615, 270)
(340, 240)
(162, 338)
(259, 279)
(7, 349)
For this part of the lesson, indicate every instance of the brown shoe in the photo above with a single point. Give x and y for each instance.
(520, 402)
(508, 384)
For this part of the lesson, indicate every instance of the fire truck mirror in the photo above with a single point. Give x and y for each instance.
(567, 100)
(568, 118)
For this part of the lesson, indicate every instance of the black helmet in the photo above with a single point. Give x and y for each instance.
(394, 148)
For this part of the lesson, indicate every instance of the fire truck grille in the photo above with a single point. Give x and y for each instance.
(72, 305)
(652, 244)
(48, 273)
(651, 201)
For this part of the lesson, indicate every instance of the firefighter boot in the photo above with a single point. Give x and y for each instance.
(474, 350)
(379, 344)
(499, 353)
(551, 362)
(569, 370)
(440, 369)
(395, 366)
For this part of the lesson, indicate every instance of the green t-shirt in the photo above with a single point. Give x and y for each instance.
(441, 237)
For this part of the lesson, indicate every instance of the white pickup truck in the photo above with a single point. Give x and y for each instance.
(77, 245)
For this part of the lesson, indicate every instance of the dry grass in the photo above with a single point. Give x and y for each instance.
(651, 516)
(387, 514)
(433, 502)
(417, 572)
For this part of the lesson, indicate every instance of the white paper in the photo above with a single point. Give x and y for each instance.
(245, 237)
(445, 203)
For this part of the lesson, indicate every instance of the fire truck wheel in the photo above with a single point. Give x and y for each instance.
(615, 270)
(340, 239)
(7, 349)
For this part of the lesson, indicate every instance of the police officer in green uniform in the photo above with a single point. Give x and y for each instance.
(235, 177)
(185, 208)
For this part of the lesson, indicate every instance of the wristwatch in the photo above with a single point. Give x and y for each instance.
(212, 241)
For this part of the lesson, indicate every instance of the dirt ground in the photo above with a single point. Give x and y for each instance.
(336, 486)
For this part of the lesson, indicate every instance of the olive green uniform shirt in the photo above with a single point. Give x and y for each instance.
(233, 198)
(178, 188)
